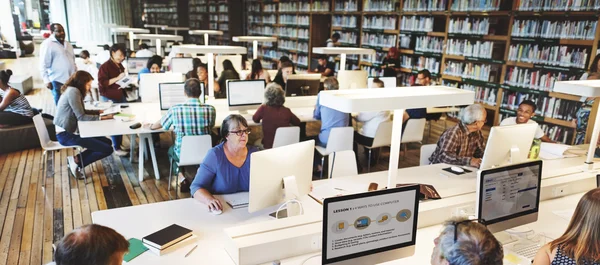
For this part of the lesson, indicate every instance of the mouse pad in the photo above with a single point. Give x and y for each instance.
(456, 173)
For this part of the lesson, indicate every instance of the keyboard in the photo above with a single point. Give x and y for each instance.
(237, 200)
(528, 251)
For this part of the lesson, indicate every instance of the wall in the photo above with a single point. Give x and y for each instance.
(6, 23)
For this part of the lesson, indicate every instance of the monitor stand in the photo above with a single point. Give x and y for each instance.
(514, 153)
(505, 238)
(290, 190)
(243, 112)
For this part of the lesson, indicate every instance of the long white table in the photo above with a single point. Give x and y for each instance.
(206, 33)
(130, 31)
(158, 38)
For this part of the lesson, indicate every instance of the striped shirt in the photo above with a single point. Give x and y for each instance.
(457, 146)
(19, 105)
(190, 118)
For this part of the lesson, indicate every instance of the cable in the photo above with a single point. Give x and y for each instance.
(286, 203)
(332, 165)
(309, 258)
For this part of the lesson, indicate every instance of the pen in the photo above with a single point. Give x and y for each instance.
(190, 252)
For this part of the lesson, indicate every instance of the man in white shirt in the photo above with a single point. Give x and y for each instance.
(144, 52)
(57, 60)
(334, 41)
(525, 112)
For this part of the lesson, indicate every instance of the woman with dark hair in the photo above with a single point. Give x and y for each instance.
(258, 72)
(273, 114)
(202, 75)
(14, 107)
(229, 73)
(69, 111)
(154, 65)
(226, 167)
(594, 68)
(196, 62)
(287, 69)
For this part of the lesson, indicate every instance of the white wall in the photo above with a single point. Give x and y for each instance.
(6, 23)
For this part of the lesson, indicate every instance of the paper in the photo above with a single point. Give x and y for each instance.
(565, 214)
(125, 81)
(322, 192)
(136, 247)
(112, 110)
(555, 151)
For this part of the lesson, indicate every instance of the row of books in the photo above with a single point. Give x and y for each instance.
(469, 70)
(405, 40)
(349, 65)
(557, 5)
(484, 95)
(197, 9)
(293, 45)
(270, 8)
(405, 79)
(372, 70)
(420, 63)
(262, 30)
(294, 6)
(550, 107)
(252, 7)
(223, 8)
(379, 5)
(471, 48)
(475, 5)
(344, 21)
(301, 33)
(564, 56)
(429, 44)
(468, 25)
(294, 20)
(378, 40)
(270, 19)
(349, 37)
(321, 6)
(554, 132)
(416, 23)
(379, 22)
(424, 5)
(348, 5)
(377, 58)
(301, 60)
(580, 29)
(535, 79)
(223, 18)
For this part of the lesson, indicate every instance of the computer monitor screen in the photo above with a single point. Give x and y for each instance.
(245, 92)
(135, 65)
(358, 228)
(181, 65)
(509, 196)
(352, 79)
(149, 84)
(171, 94)
(302, 85)
(388, 82)
(508, 144)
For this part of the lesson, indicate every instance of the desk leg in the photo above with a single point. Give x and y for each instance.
(211, 76)
(343, 61)
(131, 41)
(395, 149)
(131, 147)
(142, 145)
(159, 48)
(254, 49)
(153, 154)
(205, 39)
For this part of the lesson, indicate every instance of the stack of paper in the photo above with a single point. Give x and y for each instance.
(555, 151)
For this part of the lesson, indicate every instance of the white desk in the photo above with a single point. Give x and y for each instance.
(254, 40)
(130, 31)
(174, 29)
(442, 110)
(342, 51)
(156, 27)
(142, 220)
(205, 32)
(158, 38)
(210, 51)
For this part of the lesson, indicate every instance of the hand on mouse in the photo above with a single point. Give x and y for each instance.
(215, 205)
(475, 162)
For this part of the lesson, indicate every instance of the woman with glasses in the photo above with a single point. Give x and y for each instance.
(465, 241)
(226, 167)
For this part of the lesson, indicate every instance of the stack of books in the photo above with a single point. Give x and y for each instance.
(166, 239)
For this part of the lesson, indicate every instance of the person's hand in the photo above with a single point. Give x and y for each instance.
(214, 205)
(107, 117)
(147, 126)
(121, 75)
(49, 86)
(475, 162)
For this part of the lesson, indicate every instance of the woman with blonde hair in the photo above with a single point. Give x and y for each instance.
(580, 244)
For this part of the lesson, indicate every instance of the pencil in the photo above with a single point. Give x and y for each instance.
(190, 252)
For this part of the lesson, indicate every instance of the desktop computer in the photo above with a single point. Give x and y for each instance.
(149, 85)
(370, 228)
(302, 85)
(388, 82)
(135, 65)
(181, 65)
(508, 145)
(171, 94)
(352, 79)
(243, 95)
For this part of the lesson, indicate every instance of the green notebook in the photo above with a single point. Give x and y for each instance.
(136, 247)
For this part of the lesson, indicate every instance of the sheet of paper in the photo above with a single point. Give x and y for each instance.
(125, 81)
(555, 149)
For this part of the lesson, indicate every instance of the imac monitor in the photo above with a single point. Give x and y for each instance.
(352, 79)
(302, 85)
(149, 84)
(135, 65)
(509, 196)
(388, 82)
(171, 94)
(243, 95)
(181, 65)
(508, 145)
(268, 171)
(370, 228)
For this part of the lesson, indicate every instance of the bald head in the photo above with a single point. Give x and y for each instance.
(93, 245)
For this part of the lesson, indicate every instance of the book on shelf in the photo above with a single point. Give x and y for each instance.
(344, 21)
(404, 41)
(347, 5)
(429, 44)
(379, 22)
(379, 5)
(378, 40)
(470, 70)
(485, 95)
(470, 48)
(469, 25)
(558, 29)
(424, 6)
(535, 79)
(294, 7)
(563, 56)
(550, 107)
(475, 5)
(557, 5)
(321, 6)
(416, 23)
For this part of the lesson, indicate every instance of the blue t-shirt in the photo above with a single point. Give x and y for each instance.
(143, 71)
(217, 175)
(330, 118)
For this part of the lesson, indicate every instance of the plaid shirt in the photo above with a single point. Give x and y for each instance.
(457, 146)
(190, 118)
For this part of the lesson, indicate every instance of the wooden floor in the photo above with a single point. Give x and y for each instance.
(40, 202)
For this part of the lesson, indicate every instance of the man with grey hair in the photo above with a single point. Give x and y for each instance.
(466, 242)
(463, 144)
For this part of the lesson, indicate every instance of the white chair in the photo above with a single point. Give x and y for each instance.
(383, 137)
(193, 150)
(340, 139)
(286, 136)
(52, 146)
(426, 152)
(345, 162)
(414, 131)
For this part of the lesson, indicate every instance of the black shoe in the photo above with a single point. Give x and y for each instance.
(184, 186)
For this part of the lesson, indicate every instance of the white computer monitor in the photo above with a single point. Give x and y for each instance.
(171, 94)
(181, 65)
(268, 171)
(509, 196)
(508, 145)
(352, 79)
(370, 228)
(149, 84)
(302, 85)
(135, 65)
(243, 95)
(236, 60)
(388, 82)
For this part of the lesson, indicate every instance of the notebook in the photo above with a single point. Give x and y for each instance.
(236, 200)
(167, 236)
(136, 247)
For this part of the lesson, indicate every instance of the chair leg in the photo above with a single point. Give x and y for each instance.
(322, 166)
(84, 175)
(369, 162)
(170, 175)
(177, 184)
(44, 168)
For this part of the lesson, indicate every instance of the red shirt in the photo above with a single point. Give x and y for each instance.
(273, 118)
(107, 71)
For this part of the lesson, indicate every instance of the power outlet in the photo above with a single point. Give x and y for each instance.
(559, 191)
(316, 243)
(464, 211)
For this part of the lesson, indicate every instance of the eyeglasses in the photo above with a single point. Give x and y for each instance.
(241, 132)
(458, 223)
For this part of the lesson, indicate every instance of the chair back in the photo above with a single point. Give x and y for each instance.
(415, 128)
(340, 139)
(42, 131)
(383, 135)
(194, 149)
(286, 136)
(426, 151)
(345, 164)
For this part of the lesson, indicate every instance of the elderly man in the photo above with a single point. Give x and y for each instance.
(57, 60)
(463, 144)
(466, 242)
(91, 244)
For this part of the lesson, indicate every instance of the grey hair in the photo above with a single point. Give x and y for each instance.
(331, 84)
(274, 95)
(475, 244)
(472, 114)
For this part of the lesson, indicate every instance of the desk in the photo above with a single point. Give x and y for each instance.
(442, 110)
(156, 27)
(130, 31)
(174, 29)
(205, 32)
(142, 220)
(342, 51)
(158, 38)
(254, 40)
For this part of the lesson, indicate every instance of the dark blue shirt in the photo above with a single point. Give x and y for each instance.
(417, 113)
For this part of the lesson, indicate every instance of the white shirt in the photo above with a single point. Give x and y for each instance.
(57, 61)
(513, 121)
(371, 121)
(145, 53)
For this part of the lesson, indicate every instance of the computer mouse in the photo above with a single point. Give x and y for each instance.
(457, 169)
(215, 212)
